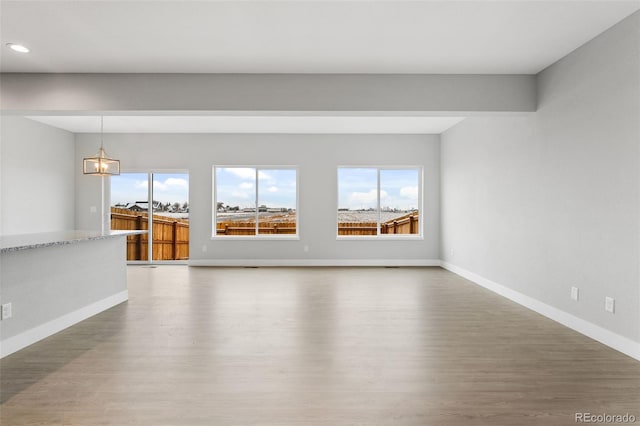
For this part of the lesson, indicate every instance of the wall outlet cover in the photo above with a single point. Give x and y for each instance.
(609, 304)
(7, 311)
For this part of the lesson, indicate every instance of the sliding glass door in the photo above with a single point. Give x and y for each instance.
(129, 208)
(166, 216)
(170, 216)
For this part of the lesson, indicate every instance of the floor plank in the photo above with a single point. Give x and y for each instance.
(314, 346)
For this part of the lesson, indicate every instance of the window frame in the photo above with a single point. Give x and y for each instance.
(379, 236)
(256, 236)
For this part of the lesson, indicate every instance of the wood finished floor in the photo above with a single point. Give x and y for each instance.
(314, 346)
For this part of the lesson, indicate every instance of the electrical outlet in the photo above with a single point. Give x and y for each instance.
(451, 252)
(574, 293)
(609, 304)
(306, 249)
(93, 209)
(6, 311)
(204, 248)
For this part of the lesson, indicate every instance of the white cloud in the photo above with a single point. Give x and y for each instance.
(246, 185)
(273, 189)
(169, 184)
(242, 172)
(262, 175)
(363, 197)
(249, 173)
(143, 184)
(409, 192)
(177, 182)
(242, 195)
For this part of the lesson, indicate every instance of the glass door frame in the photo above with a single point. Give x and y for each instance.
(150, 173)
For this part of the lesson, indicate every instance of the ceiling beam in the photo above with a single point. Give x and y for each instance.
(331, 93)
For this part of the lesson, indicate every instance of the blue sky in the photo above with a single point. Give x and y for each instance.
(358, 188)
(132, 187)
(236, 186)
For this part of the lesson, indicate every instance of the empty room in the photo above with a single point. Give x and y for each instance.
(330, 212)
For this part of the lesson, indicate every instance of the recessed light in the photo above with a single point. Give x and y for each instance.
(18, 47)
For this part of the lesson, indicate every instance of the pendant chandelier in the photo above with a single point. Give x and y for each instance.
(100, 164)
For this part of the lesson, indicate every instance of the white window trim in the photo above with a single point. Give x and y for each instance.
(385, 237)
(261, 237)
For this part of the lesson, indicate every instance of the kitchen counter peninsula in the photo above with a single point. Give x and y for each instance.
(47, 239)
(53, 280)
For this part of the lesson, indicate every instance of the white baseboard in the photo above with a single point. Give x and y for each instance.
(602, 335)
(29, 337)
(314, 262)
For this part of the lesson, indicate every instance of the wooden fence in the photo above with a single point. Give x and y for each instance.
(407, 224)
(357, 228)
(170, 236)
(249, 228)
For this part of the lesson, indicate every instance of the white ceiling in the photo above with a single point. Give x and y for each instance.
(252, 124)
(331, 36)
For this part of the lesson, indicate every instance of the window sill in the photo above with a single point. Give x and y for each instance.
(256, 238)
(379, 238)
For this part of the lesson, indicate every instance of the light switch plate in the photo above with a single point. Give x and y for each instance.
(574, 293)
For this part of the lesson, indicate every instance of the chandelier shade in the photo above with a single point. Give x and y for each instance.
(100, 164)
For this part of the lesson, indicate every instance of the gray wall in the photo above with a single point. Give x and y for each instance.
(550, 201)
(317, 157)
(37, 182)
(275, 93)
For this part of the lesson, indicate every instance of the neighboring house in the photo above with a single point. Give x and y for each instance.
(138, 206)
(142, 206)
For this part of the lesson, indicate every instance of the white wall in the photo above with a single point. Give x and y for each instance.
(541, 203)
(37, 183)
(317, 157)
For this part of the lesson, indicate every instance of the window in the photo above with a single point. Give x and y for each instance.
(252, 201)
(379, 201)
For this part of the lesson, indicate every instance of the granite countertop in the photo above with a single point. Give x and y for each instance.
(10, 243)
